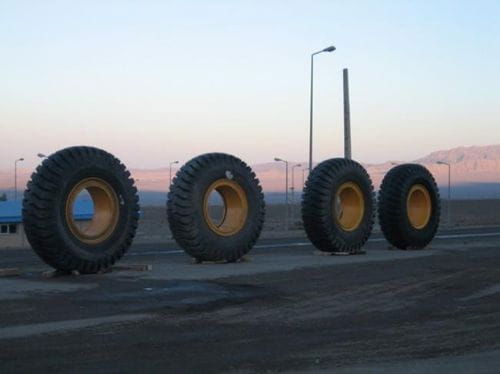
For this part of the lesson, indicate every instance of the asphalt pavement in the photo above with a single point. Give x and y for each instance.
(284, 308)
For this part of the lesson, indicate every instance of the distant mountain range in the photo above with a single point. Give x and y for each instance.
(475, 174)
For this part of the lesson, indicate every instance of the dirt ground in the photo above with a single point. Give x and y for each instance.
(153, 226)
(285, 310)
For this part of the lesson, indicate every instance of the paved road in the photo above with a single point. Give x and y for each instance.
(283, 309)
(23, 258)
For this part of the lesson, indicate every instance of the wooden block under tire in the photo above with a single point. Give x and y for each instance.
(321, 253)
(9, 272)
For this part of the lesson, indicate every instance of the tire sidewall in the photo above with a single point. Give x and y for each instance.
(118, 183)
(392, 207)
(358, 234)
(318, 211)
(420, 237)
(246, 181)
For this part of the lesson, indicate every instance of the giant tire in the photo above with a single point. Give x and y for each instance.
(338, 206)
(187, 208)
(409, 206)
(48, 202)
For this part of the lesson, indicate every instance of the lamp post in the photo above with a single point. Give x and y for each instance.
(303, 177)
(327, 49)
(170, 175)
(293, 182)
(292, 213)
(449, 191)
(15, 176)
(286, 189)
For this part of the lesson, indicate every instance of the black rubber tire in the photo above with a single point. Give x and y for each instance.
(185, 210)
(44, 214)
(392, 207)
(321, 225)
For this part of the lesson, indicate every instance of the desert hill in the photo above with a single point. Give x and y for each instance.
(471, 166)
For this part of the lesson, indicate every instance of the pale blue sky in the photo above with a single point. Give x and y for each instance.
(153, 81)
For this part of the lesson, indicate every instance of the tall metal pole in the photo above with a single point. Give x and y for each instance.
(15, 176)
(327, 49)
(293, 181)
(292, 209)
(292, 205)
(311, 116)
(347, 117)
(449, 195)
(286, 197)
(448, 210)
(303, 177)
(286, 190)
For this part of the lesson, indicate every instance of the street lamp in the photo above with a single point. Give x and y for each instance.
(15, 176)
(449, 190)
(286, 188)
(327, 49)
(172, 163)
(303, 177)
(293, 182)
(293, 192)
(41, 155)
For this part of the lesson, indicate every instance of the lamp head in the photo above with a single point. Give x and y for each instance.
(329, 49)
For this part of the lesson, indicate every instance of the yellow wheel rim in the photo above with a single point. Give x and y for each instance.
(419, 206)
(106, 211)
(349, 206)
(235, 211)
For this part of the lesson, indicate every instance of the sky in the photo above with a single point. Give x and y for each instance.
(157, 81)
